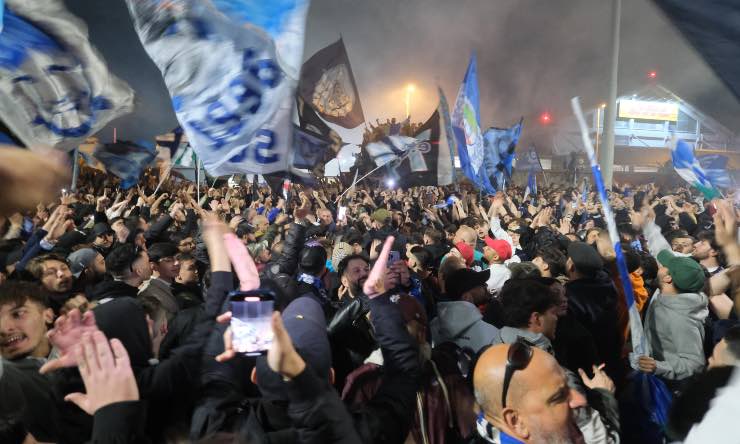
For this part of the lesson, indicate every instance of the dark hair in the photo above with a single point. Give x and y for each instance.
(434, 235)
(182, 257)
(312, 260)
(424, 256)
(632, 258)
(353, 237)
(732, 338)
(162, 250)
(344, 263)
(120, 260)
(554, 258)
(16, 293)
(152, 307)
(35, 267)
(522, 297)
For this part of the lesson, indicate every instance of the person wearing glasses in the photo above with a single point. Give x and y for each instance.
(524, 397)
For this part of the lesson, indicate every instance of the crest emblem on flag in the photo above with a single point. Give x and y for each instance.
(333, 94)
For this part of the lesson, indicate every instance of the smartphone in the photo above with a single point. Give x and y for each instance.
(342, 213)
(251, 315)
(394, 257)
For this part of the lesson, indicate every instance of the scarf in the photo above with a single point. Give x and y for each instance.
(491, 434)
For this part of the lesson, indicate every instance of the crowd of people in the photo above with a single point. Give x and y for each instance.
(423, 315)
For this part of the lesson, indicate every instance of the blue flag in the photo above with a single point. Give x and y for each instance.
(529, 161)
(500, 146)
(466, 126)
(55, 90)
(688, 167)
(531, 185)
(715, 167)
(126, 160)
(232, 69)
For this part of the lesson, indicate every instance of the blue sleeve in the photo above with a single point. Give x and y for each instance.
(32, 248)
(273, 214)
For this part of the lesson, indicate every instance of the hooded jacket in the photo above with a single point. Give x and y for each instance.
(461, 322)
(674, 328)
(510, 335)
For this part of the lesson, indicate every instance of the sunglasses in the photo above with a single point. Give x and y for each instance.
(518, 358)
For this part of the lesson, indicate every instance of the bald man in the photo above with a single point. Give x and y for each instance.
(539, 404)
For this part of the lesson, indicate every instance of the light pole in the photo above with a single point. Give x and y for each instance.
(410, 88)
(606, 156)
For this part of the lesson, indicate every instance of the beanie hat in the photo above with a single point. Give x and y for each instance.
(686, 273)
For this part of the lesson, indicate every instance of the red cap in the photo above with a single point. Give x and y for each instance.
(466, 251)
(500, 246)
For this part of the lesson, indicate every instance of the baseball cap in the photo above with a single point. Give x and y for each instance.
(466, 251)
(464, 280)
(305, 323)
(686, 273)
(100, 229)
(500, 246)
(81, 259)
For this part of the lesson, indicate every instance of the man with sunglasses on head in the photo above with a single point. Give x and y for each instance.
(524, 397)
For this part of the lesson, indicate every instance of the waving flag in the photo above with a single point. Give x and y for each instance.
(231, 68)
(688, 167)
(466, 126)
(500, 145)
(531, 185)
(55, 89)
(126, 160)
(446, 168)
(415, 160)
(639, 343)
(328, 85)
(715, 166)
(529, 161)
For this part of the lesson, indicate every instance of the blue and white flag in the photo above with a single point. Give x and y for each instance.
(715, 167)
(640, 345)
(690, 169)
(126, 160)
(531, 185)
(466, 126)
(446, 168)
(584, 191)
(55, 89)
(500, 146)
(232, 69)
(529, 161)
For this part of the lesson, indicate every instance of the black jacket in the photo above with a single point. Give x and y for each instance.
(112, 290)
(593, 303)
(120, 423)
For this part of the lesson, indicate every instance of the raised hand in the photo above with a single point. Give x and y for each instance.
(66, 335)
(106, 373)
(282, 358)
(375, 284)
(725, 224)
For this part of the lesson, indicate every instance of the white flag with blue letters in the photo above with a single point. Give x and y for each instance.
(55, 89)
(231, 68)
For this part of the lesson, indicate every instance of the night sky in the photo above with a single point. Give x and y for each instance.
(533, 56)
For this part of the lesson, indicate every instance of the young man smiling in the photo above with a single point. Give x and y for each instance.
(24, 320)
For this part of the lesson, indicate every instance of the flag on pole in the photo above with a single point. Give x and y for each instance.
(584, 190)
(529, 161)
(126, 160)
(466, 127)
(715, 166)
(531, 185)
(500, 146)
(328, 85)
(55, 89)
(688, 167)
(639, 343)
(413, 159)
(446, 168)
(232, 69)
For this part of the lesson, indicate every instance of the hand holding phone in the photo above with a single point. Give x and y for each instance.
(251, 314)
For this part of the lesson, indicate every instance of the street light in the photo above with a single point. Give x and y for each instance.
(545, 118)
(410, 88)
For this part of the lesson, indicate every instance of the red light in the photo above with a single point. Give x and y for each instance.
(653, 75)
(545, 118)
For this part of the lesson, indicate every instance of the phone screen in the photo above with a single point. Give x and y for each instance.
(342, 213)
(251, 314)
(394, 257)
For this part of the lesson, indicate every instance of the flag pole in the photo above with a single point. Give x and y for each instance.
(75, 168)
(164, 177)
(356, 182)
(197, 175)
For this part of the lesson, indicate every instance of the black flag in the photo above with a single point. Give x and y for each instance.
(414, 159)
(328, 85)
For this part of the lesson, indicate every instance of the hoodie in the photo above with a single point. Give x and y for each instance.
(461, 322)
(674, 328)
(510, 335)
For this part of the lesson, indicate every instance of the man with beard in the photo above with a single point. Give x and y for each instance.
(524, 397)
(353, 271)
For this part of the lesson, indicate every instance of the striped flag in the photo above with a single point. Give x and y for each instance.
(690, 169)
